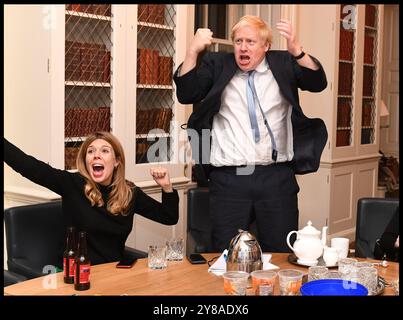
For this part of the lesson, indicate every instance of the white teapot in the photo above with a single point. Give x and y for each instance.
(308, 247)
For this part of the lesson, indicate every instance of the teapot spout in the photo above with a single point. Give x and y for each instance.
(324, 234)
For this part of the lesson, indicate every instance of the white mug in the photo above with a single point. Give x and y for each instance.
(342, 244)
(331, 256)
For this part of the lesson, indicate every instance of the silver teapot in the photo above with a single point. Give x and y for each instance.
(244, 253)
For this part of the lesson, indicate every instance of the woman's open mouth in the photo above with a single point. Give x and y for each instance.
(97, 170)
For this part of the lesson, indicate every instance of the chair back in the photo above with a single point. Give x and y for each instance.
(12, 278)
(198, 221)
(373, 216)
(34, 237)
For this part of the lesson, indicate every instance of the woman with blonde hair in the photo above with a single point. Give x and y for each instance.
(98, 199)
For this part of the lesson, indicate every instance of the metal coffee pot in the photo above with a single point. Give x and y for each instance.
(244, 253)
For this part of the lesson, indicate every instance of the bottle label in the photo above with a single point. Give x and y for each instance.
(84, 273)
(71, 267)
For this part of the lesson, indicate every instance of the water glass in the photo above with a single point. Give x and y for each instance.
(333, 275)
(368, 277)
(347, 268)
(395, 286)
(363, 264)
(157, 257)
(175, 249)
(235, 282)
(317, 272)
(351, 273)
(290, 282)
(263, 282)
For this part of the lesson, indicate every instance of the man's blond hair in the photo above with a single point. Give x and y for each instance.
(256, 22)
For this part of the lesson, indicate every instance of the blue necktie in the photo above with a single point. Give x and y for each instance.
(250, 89)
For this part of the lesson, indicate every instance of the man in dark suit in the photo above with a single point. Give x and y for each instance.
(246, 105)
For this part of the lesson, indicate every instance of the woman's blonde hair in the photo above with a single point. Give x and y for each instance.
(122, 190)
(254, 21)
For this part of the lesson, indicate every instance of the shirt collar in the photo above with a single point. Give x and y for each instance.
(263, 66)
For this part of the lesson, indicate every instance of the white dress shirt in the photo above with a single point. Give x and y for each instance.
(232, 138)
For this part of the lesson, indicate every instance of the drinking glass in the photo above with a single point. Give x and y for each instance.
(175, 249)
(363, 264)
(395, 286)
(317, 272)
(290, 282)
(263, 282)
(157, 257)
(235, 282)
(347, 268)
(333, 275)
(368, 277)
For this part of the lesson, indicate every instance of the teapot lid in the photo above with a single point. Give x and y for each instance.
(242, 236)
(243, 239)
(308, 229)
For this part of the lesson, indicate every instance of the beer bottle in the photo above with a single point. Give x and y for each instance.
(82, 264)
(69, 256)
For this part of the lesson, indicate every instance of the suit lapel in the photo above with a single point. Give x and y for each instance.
(280, 74)
(228, 71)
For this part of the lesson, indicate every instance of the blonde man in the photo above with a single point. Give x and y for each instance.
(248, 102)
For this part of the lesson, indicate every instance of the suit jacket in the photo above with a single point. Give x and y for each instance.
(203, 86)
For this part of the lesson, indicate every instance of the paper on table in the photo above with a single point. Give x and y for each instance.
(220, 266)
(266, 262)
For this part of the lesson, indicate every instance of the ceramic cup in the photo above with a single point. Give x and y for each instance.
(330, 256)
(342, 244)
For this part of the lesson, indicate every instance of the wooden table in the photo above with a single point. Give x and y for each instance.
(180, 278)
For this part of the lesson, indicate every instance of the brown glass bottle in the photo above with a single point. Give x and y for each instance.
(69, 255)
(82, 264)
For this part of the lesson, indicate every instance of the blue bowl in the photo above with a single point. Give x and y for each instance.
(333, 287)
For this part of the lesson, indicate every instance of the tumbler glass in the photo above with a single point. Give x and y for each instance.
(157, 257)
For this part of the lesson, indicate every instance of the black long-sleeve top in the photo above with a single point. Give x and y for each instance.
(106, 233)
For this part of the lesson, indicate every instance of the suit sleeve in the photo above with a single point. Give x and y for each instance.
(193, 86)
(308, 79)
(33, 169)
(165, 212)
